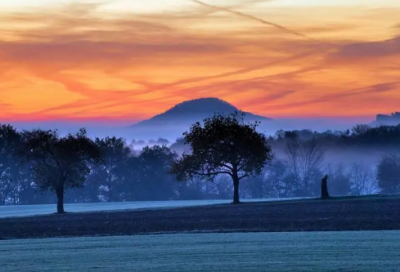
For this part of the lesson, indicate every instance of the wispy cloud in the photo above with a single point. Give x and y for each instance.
(339, 96)
(251, 17)
(124, 65)
(367, 50)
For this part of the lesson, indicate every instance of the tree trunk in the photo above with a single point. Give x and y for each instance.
(60, 199)
(324, 188)
(236, 190)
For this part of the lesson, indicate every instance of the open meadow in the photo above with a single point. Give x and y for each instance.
(342, 234)
(42, 209)
(307, 251)
(29, 210)
(344, 214)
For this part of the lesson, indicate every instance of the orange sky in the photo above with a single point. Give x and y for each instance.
(81, 60)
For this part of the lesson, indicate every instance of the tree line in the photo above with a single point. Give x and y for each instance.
(40, 166)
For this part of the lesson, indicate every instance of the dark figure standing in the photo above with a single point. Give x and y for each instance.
(324, 187)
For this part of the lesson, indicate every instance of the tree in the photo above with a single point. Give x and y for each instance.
(305, 157)
(192, 190)
(360, 129)
(112, 172)
(10, 169)
(59, 163)
(224, 145)
(153, 180)
(256, 186)
(362, 179)
(278, 180)
(339, 180)
(388, 174)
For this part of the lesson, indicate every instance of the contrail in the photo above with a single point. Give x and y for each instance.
(255, 19)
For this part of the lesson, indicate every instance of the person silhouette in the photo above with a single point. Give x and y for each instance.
(324, 187)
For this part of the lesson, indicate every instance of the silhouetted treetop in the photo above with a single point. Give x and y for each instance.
(223, 145)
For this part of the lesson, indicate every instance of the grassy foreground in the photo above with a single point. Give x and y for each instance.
(308, 251)
(339, 214)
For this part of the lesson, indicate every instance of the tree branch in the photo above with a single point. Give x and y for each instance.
(227, 166)
(212, 173)
(244, 176)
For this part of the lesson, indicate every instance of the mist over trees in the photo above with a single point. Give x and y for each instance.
(12, 176)
(36, 166)
(304, 158)
(388, 174)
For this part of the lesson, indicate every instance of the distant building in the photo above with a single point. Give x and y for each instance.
(391, 119)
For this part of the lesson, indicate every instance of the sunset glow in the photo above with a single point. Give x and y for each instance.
(131, 59)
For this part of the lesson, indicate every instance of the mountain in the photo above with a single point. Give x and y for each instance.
(178, 119)
(188, 112)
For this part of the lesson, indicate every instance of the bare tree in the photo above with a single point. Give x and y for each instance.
(304, 157)
(362, 179)
(360, 129)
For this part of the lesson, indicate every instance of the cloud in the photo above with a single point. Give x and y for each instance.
(265, 88)
(134, 65)
(218, 89)
(352, 93)
(4, 106)
(77, 52)
(269, 96)
(368, 50)
(240, 71)
(278, 26)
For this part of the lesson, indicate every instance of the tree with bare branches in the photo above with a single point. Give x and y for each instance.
(362, 179)
(304, 157)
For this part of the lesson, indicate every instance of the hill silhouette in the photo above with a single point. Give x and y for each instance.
(191, 111)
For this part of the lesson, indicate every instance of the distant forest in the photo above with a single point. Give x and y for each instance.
(364, 160)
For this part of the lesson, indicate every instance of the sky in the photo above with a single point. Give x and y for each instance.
(125, 60)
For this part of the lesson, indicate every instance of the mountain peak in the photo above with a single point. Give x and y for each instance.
(191, 111)
(202, 106)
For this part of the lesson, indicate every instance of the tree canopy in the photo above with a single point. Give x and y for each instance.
(223, 145)
(359, 161)
(10, 168)
(57, 162)
(388, 174)
(152, 172)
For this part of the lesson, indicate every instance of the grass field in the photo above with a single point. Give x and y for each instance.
(342, 214)
(308, 251)
(29, 210)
